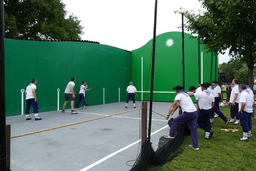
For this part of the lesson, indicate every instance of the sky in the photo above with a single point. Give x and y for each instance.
(128, 24)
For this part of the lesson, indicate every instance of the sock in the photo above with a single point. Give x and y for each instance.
(36, 115)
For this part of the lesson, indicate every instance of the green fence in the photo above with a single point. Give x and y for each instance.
(54, 63)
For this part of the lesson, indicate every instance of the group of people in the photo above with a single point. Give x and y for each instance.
(241, 109)
(31, 99)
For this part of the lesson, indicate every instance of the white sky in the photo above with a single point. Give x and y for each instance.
(128, 24)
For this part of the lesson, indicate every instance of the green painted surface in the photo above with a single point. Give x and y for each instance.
(54, 63)
(168, 65)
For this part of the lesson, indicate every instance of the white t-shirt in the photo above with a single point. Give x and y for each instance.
(205, 99)
(217, 90)
(245, 97)
(82, 89)
(131, 89)
(29, 90)
(185, 102)
(235, 90)
(69, 85)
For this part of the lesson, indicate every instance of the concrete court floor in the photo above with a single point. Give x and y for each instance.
(109, 144)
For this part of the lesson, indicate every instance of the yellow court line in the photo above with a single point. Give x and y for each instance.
(157, 113)
(62, 126)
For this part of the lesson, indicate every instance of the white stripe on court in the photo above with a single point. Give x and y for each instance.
(125, 117)
(118, 151)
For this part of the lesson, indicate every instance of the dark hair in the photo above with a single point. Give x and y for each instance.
(236, 81)
(242, 86)
(33, 80)
(82, 82)
(192, 88)
(73, 79)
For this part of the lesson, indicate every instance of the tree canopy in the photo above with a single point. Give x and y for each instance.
(40, 19)
(227, 24)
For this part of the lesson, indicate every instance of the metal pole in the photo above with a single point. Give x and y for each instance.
(152, 73)
(2, 93)
(22, 101)
(183, 52)
(58, 99)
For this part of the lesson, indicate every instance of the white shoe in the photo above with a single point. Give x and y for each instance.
(231, 120)
(211, 120)
(168, 136)
(245, 136)
(216, 115)
(237, 122)
(191, 146)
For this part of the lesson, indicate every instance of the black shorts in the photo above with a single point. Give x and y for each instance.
(69, 97)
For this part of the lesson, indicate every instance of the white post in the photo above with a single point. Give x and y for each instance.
(118, 94)
(141, 79)
(103, 95)
(58, 99)
(202, 67)
(22, 101)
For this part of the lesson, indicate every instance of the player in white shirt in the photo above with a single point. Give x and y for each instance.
(31, 100)
(204, 106)
(130, 93)
(70, 95)
(234, 100)
(189, 116)
(246, 101)
(83, 88)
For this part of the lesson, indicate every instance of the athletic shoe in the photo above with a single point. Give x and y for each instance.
(62, 111)
(125, 106)
(29, 118)
(231, 120)
(134, 107)
(38, 118)
(168, 136)
(227, 122)
(216, 115)
(191, 146)
(237, 122)
(73, 112)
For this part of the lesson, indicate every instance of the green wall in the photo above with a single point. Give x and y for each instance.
(168, 65)
(54, 63)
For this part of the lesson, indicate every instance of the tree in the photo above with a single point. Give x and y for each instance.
(227, 24)
(37, 19)
(230, 69)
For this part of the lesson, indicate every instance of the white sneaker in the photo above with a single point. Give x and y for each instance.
(211, 120)
(168, 136)
(237, 122)
(231, 120)
(191, 146)
(216, 115)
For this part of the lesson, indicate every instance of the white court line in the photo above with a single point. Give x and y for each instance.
(118, 151)
(125, 117)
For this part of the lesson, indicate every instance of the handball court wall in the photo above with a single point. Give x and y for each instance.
(199, 66)
(54, 63)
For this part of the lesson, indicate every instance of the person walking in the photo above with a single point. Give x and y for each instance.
(31, 100)
(189, 116)
(83, 88)
(233, 101)
(245, 110)
(69, 95)
(204, 106)
(130, 93)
